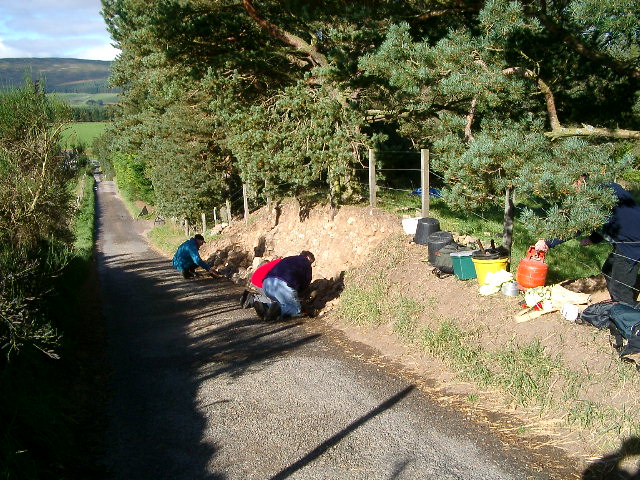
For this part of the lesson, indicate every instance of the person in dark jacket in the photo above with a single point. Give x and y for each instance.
(187, 258)
(284, 283)
(622, 230)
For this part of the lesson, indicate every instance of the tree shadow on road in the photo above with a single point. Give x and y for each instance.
(168, 335)
(335, 439)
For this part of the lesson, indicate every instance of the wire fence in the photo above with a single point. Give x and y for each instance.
(410, 175)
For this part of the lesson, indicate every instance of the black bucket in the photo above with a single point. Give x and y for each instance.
(436, 241)
(425, 227)
(491, 254)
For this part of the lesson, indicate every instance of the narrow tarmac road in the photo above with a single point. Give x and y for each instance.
(202, 389)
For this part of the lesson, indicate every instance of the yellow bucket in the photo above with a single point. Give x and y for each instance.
(485, 266)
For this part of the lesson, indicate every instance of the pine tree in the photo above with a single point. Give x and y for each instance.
(489, 99)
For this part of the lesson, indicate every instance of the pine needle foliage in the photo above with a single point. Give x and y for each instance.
(286, 97)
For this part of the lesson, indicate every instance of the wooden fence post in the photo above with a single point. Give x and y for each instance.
(204, 223)
(424, 171)
(186, 227)
(245, 202)
(266, 184)
(215, 216)
(228, 203)
(372, 178)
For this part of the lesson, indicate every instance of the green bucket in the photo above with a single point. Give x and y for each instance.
(463, 267)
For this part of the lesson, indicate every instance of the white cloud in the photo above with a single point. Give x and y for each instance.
(64, 28)
(10, 52)
(102, 52)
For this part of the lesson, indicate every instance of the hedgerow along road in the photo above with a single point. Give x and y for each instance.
(202, 389)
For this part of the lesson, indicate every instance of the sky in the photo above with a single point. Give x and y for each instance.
(54, 28)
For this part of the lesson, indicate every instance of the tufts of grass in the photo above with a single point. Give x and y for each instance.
(84, 219)
(450, 343)
(524, 372)
(363, 305)
(404, 314)
(588, 414)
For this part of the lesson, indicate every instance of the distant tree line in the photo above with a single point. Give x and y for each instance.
(96, 112)
(85, 86)
(515, 99)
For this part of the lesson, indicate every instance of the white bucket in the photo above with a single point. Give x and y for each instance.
(409, 225)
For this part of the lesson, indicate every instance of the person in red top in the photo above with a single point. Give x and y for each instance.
(261, 272)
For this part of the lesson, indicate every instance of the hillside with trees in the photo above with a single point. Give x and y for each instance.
(61, 75)
(83, 84)
(515, 100)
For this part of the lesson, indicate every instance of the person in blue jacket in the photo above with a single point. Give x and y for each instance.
(284, 282)
(187, 258)
(622, 230)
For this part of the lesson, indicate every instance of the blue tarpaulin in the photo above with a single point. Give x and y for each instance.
(433, 192)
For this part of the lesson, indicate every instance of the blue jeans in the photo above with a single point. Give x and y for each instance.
(278, 291)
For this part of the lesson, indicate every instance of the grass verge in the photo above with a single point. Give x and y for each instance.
(48, 402)
(523, 375)
(561, 398)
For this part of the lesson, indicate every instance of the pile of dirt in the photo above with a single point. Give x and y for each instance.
(355, 239)
(340, 241)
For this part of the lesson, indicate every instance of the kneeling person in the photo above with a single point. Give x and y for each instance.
(187, 257)
(284, 282)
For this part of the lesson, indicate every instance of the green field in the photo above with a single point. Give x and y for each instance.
(81, 99)
(82, 133)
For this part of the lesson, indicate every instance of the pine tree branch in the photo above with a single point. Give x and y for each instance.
(317, 58)
(468, 134)
(571, 41)
(544, 88)
(590, 131)
(557, 130)
(463, 8)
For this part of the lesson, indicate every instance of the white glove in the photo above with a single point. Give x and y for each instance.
(541, 246)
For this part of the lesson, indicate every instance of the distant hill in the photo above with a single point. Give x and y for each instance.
(61, 75)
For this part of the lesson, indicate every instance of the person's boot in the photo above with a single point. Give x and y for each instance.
(249, 301)
(273, 313)
(187, 273)
(243, 298)
(260, 308)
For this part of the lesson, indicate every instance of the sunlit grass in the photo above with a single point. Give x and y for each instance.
(167, 237)
(363, 305)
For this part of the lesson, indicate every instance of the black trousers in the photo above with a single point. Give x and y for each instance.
(189, 272)
(621, 278)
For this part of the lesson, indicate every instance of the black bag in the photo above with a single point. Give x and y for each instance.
(626, 318)
(442, 258)
(597, 314)
(622, 320)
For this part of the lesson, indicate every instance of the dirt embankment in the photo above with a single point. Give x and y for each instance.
(369, 243)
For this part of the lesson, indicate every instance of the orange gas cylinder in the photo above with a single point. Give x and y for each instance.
(532, 271)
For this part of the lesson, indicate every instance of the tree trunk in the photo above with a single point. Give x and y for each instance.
(507, 232)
